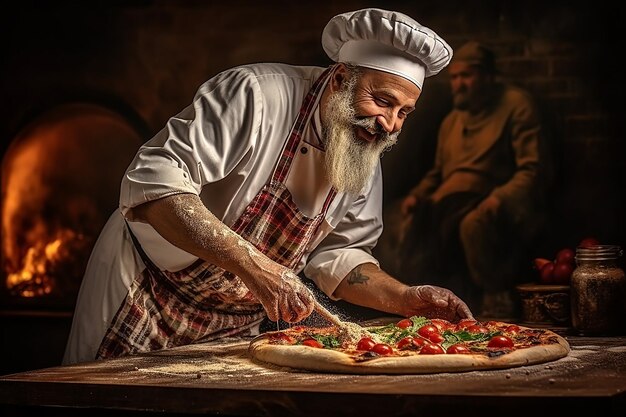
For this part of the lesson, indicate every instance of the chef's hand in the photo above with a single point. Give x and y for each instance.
(435, 302)
(283, 295)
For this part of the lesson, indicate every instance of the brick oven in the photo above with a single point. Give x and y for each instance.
(60, 182)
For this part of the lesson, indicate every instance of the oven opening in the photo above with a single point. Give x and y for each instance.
(60, 183)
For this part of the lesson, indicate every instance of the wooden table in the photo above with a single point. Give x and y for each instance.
(220, 379)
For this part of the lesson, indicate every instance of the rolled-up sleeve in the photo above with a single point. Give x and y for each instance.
(200, 145)
(351, 243)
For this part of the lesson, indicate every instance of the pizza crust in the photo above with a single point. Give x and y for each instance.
(328, 360)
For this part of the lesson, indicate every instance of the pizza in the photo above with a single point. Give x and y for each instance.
(414, 345)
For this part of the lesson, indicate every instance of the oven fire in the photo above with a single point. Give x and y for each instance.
(44, 262)
(60, 182)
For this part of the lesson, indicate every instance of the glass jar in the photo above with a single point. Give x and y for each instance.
(598, 291)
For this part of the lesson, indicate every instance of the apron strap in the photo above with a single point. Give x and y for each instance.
(284, 162)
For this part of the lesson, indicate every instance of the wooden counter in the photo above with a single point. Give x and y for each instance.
(220, 379)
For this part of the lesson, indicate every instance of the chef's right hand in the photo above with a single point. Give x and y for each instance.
(285, 297)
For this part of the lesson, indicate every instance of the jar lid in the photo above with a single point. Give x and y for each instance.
(598, 252)
(532, 287)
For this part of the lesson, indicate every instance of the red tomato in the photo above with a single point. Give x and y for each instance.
(476, 328)
(427, 330)
(562, 273)
(513, 328)
(441, 324)
(588, 242)
(405, 343)
(365, 343)
(431, 349)
(500, 342)
(458, 348)
(410, 342)
(404, 323)
(419, 342)
(312, 343)
(540, 262)
(566, 256)
(546, 274)
(464, 324)
(382, 349)
(436, 338)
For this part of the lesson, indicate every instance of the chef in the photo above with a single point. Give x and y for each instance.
(271, 171)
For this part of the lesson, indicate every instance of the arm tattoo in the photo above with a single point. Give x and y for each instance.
(356, 277)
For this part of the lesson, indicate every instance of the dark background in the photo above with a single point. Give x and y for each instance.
(144, 59)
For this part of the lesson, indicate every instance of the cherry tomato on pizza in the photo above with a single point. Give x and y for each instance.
(404, 323)
(458, 348)
(366, 343)
(465, 323)
(476, 328)
(312, 343)
(431, 349)
(382, 349)
(405, 343)
(441, 324)
(500, 342)
(427, 330)
(512, 329)
(436, 338)
(411, 342)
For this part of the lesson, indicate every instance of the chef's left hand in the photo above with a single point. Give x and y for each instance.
(435, 302)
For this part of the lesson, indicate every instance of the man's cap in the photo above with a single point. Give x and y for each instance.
(386, 41)
(476, 53)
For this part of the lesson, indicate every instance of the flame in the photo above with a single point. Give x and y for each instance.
(36, 278)
(60, 182)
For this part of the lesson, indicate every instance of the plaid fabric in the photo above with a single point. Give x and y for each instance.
(154, 317)
(275, 226)
(204, 302)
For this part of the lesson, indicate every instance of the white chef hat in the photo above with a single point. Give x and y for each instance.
(386, 41)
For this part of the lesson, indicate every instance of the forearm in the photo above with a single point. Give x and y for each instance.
(369, 286)
(184, 221)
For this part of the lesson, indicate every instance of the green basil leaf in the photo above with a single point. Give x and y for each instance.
(328, 341)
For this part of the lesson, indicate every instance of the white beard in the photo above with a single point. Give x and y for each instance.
(351, 162)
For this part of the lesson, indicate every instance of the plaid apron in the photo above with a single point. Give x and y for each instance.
(204, 302)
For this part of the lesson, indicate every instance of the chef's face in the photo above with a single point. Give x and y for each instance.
(384, 98)
(363, 118)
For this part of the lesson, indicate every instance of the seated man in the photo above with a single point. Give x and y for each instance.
(473, 213)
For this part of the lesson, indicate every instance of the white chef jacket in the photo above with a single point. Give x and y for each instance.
(224, 147)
